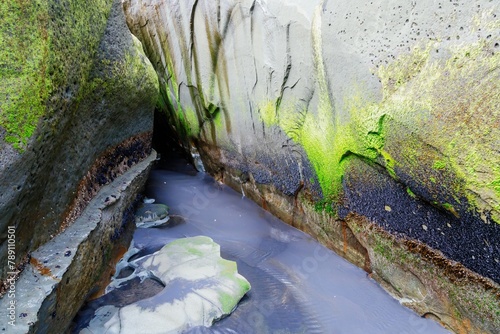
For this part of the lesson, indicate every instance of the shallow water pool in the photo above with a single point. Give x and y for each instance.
(298, 286)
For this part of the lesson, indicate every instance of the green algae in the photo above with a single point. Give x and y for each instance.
(428, 103)
(329, 142)
(410, 99)
(24, 46)
(44, 48)
(410, 193)
(439, 164)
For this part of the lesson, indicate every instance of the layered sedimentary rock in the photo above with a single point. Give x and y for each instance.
(77, 99)
(372, 125)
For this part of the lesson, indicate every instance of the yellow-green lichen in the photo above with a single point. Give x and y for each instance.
(447, 111)
(395, 76)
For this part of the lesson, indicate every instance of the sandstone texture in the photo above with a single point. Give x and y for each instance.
(322, 111)
(77, 98)
(65, 271)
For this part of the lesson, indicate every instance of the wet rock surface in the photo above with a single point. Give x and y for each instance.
(285, 100)
(199, 288)
(467, 239)
(297, 285)
(64, 272)
(84, 113)
(151, 214)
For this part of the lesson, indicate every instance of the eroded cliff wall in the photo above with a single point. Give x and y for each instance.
(374, 125)
(77, 97)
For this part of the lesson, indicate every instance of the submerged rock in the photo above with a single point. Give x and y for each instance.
(151, 215)
(200, 288)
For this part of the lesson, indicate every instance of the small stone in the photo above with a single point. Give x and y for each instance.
(424, 227)
(148, 200)
(151, 215)
(448, 224)
(388, 208)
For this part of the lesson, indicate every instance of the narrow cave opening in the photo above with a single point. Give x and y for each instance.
(166, 142)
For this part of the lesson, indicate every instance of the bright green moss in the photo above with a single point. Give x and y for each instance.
(44, 47)
(25, 86)
(409, 86)
(268, 113)
(411, 193)
(390, 163)
(329, 143)
(192, 122)
(439, 164)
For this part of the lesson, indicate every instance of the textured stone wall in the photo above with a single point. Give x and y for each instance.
(412, 87)
(383, 110)
(77, 97)
(77, 263)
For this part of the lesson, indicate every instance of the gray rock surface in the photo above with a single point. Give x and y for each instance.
(94, 123)
(347, 108)
(150, 215)
(291, 91)
(62, 273)
(200, 288)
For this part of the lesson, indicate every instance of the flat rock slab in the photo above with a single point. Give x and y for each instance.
(200, 288)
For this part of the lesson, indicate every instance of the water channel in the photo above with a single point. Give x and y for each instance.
(298, 286)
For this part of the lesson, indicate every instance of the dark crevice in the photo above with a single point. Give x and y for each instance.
(287, 69)
(166, 140)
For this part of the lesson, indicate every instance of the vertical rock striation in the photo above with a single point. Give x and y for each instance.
(372, 125)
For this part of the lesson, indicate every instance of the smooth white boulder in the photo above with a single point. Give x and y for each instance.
(200, 288)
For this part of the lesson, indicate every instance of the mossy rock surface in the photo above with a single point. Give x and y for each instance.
(386, 112)
(77, 106)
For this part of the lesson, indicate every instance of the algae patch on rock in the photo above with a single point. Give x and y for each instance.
(200, 288)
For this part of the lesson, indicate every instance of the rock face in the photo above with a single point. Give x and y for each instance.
(77, 97)
(367, 124)
(200, 288)
(77, 106)
(63, 272)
